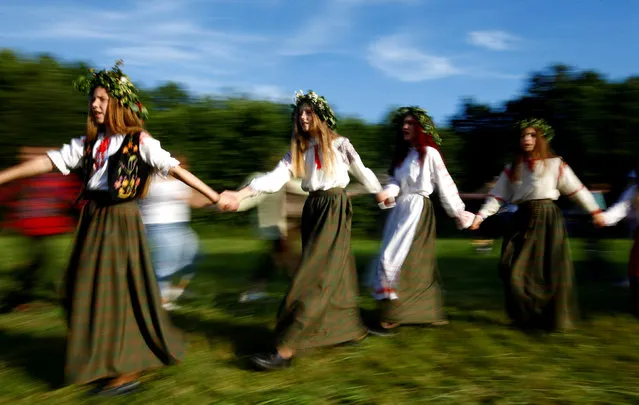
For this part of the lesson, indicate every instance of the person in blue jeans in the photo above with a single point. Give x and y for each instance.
(166, 213)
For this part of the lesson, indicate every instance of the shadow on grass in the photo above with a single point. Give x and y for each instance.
(42, 357)
(247, 339)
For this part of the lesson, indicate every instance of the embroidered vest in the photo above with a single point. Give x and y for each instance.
(127, 173)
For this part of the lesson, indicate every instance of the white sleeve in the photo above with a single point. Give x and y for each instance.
(620, 209)
(362, 173)
(393, 187)
(569, 185)
(448, 192)
(500, 193)
(152, 153)
(274, 180)
(69, 157)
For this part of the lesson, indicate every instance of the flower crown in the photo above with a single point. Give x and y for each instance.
(117, 84)
(538, 123)
(422, 117)
(319, 104)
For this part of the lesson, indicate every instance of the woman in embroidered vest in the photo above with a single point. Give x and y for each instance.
(116, 325)
(406, 282)
(535, 265)
(320, 308)
(627, 207)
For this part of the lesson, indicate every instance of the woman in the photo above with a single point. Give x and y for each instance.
(320, 308)
(535, 265)
(166, 213)
(627, 208)
(116, 325)
(406, 282)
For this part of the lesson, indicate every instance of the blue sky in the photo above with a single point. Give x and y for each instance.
(363, 55)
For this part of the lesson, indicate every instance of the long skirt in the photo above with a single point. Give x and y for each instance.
(416, 296)
(116, 324)
(320, 308)
(536, 269)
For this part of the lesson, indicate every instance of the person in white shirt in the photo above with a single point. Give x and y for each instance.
(406, 282)
(166, 213)
(535, 264)
(627, 207)
(278, 217)
(117, 328)
(320, 308)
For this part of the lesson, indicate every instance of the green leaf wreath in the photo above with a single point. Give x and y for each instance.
(117, 84)
(319, 104)
(422, 117)
(537, 123)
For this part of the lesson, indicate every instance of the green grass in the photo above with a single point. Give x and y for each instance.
(474, 360)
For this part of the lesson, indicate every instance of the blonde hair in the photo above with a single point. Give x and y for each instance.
(321, 133)
(120, 119)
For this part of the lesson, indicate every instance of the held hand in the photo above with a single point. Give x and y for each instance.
(598, 220)
(228, 201)
(382, 196)
(476, 222)
(465, 220)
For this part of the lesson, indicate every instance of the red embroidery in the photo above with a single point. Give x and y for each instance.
(100, 156)
(318, 162)
(561, 170)
(531, 164)
(576, 191)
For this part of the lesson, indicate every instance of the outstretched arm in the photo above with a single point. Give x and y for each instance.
(191, 180)
(36, 166)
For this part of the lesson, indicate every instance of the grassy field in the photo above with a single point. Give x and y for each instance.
(477, 359)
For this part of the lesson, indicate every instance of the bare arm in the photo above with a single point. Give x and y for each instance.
(192, 181)
(36, 166)
(198, 200)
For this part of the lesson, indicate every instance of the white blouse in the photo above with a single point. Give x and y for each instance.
(415, 178)
(545, 181)
(347, 160)
(622, 208)
(69, 157)
(167, 202)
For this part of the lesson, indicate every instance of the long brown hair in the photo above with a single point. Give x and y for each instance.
(300, 142)
(540, 152)
(120, 119)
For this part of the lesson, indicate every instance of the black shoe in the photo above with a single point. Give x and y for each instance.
(271, 361)
(123, 389)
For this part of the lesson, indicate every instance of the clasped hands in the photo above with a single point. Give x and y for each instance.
(229, 201)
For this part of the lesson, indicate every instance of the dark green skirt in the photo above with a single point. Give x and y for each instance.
(419, 289)
(116, 323)
(320, 308)
(536, 269)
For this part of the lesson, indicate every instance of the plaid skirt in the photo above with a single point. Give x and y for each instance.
(116, 323)
(536, 269)
(419, 289)
(320, 308)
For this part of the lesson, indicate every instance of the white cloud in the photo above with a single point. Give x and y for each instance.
(397, 58)
(493, 39)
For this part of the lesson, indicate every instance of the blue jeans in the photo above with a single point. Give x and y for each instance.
(174, 251)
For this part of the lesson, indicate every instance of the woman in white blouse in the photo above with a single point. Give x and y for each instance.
(116, 325)
(406, 282)
(320, 308)
(627, 208)
(535, 265)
